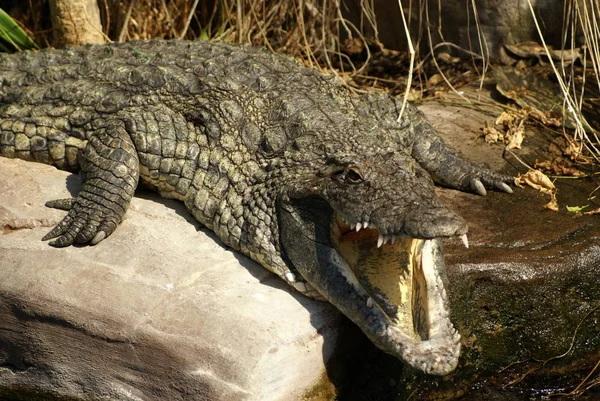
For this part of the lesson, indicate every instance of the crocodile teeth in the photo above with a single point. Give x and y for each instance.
(358, 226)
(369, 302)
(352, 225)
(289, 276)
(464, 240)
(365, 224)
(393, 239)
(380, 241)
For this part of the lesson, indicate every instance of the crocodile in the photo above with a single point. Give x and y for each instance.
(331, 190)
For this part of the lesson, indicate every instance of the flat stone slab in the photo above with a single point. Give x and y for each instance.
(158, 311)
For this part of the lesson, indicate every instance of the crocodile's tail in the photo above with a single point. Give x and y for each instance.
(32, 141)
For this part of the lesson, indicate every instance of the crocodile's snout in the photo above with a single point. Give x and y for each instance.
(390, 286)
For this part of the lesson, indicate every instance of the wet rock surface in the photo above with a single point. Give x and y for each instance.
(526, 291)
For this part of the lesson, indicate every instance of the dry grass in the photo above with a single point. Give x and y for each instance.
(313, 31)
(581, 19)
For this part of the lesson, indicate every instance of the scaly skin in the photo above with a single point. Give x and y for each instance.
(241, 136)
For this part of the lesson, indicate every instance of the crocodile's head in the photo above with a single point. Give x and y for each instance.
(365, 232)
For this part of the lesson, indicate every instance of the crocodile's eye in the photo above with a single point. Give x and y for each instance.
(349, 175)
(353, 176)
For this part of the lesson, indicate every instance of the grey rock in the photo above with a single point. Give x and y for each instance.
(161, 312)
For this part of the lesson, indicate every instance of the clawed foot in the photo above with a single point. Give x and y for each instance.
(498, 182)
(86, 222)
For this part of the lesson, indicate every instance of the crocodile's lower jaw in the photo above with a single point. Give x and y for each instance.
(402, 278)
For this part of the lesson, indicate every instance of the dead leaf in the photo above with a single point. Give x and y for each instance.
(595, 211)
(491, 134)
(505, 118)
(435, 80)
(573, 150)
(447, 58)
(558, 167)
(553, 204)
(536, 179)
(526, 49)
(545, 119)
(515, 135)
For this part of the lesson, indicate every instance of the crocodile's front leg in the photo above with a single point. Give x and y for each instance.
(111, 165)
(446, 167)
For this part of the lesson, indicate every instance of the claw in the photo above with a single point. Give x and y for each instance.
(100, 236)
(62, 204)
(64, 240)
(59, 230)
(478, 187)
(505, 188)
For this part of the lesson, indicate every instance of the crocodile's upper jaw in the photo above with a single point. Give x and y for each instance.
(394, 293)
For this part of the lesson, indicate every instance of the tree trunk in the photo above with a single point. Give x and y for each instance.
(76, 22)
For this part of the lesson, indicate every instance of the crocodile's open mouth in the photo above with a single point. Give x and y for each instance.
(392, 275)
(391, 287)
(402, 277)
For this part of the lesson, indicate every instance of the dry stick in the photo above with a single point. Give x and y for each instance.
(576, 390)
(324, 39)
(349, 25)
(126, 22)
(584, 61)
(436, 63)
(571, 16)
(592, 40)
(262, 29)
(344, 23)
(447, 44)
(168, 15)
(226, 12)
(300, 17)
(543, 363)
(239, 20)
(106, 13)
(485, 51)
(189, 19)
(412, 61)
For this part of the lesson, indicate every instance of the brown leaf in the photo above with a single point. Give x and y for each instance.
(573, 150)
(558, 167)
(536, 179)
(515, 135)
(435, 80)
(545, 118)
(553, 204)
(491, 134)
(505, 118)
